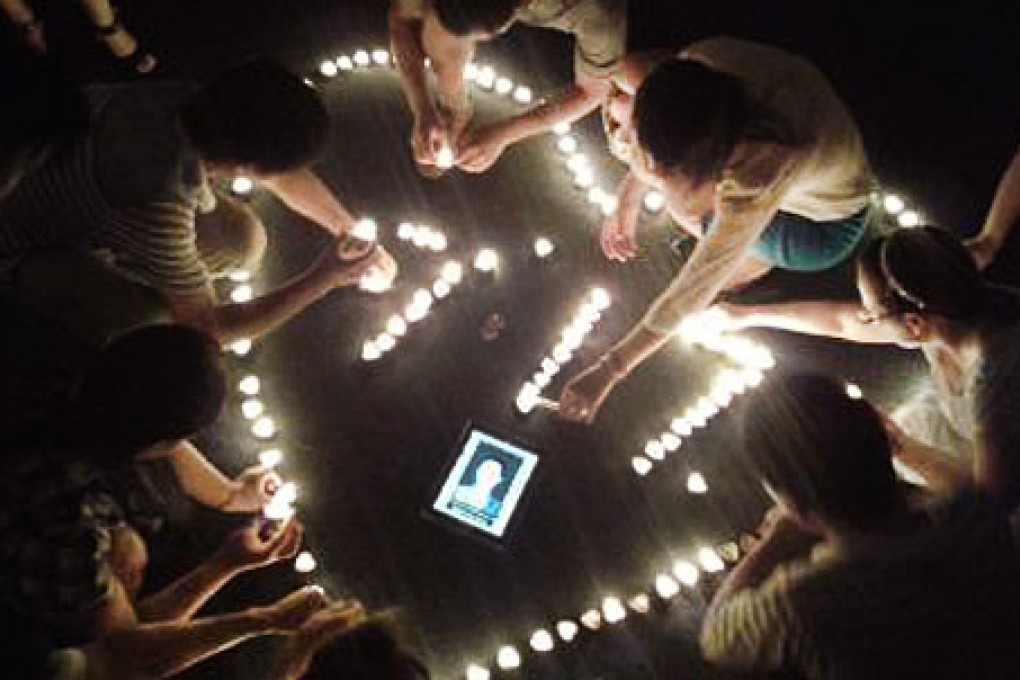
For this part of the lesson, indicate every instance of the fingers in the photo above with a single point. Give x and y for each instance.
(289, 541)
(336, 618)
(575, 408)
(297, 607)
(473, 159)
(618, 241)
(267, 483)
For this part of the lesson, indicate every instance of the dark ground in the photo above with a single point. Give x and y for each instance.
(934, 91)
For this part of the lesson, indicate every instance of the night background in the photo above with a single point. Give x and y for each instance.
(934, 90)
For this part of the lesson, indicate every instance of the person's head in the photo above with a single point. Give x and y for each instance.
(489, 473)
(257, 118)
(370, 651)
(825, 456)
(155, 384)
(231, 237)
(480, 19)
(924, 281)
(688, 119)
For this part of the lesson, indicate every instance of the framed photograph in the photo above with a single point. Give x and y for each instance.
(485, 484)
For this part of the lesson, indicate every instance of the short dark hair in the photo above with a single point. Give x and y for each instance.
(463, 17)
(370, 651)
(156, 383)
(823, 451)
(257, 115)
(689, 118)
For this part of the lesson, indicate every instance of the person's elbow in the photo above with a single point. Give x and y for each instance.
(712, 643)
(202, 314)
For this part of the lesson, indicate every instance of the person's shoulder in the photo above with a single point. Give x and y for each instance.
(725, 46)
(748, 58)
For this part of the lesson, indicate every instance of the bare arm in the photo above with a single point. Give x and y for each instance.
(305, 193)
(160, 650)
(180, 600)
(232, 321)
(1002, 216)
(245, 549)
(830, 319)
(484, 146)
(713, 263)
(576, 102)
(409, 57)
(203, 482)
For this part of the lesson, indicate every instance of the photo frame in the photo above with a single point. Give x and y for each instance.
(485, 484)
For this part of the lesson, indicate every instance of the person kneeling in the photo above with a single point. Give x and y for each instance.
(850, 579)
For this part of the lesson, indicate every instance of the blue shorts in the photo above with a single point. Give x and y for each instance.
(798, 244)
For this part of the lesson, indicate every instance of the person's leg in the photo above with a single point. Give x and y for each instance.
(84, 295)
(121, 43)
(28, 24)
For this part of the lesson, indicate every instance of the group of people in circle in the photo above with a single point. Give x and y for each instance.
(114, 224)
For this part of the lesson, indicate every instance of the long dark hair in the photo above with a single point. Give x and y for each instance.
(927, 270)
(821, 450)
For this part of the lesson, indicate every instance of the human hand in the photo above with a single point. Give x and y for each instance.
(369, 264)
(619, 235)
(783, 532)
(583, 396)
(315, 633)
(250, 548)
(253, 488)
(290, 612)
(427, 137)
(983, 249)
(480, 149)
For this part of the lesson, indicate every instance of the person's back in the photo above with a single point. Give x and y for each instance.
(890, 589)
(942, 603)
(832, 177)
(130, 187)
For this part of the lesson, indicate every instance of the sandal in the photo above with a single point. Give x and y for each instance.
(116, 36)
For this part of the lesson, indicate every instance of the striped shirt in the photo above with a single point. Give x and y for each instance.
(943, 603)
(56, 534)
(130, 187)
